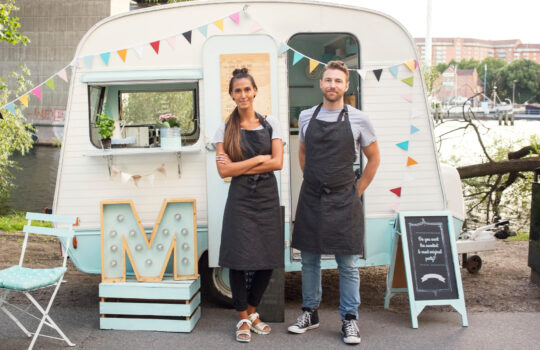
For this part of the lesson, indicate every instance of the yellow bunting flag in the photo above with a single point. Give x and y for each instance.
(219, 24)
(411, 65)
(312, 65)
(24, 100)
(411, 161)
(122, 54)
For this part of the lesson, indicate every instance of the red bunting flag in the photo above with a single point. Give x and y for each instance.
(396, 191)
(155, 46)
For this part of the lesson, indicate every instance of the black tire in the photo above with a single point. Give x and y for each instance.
(473, 264)
(213, 287)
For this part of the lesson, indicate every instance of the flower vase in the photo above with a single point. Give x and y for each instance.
(170, 138)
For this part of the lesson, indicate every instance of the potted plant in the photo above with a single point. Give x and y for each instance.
(105, 125)
(169, 131)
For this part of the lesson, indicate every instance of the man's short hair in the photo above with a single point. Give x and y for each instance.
(339, 65)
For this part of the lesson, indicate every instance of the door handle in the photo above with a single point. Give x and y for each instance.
(210, 147)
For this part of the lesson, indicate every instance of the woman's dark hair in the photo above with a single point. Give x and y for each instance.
(231, 139)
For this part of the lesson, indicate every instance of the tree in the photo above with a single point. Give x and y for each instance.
(494, 66)
(527, 74)
(431, 74)
(9, 25)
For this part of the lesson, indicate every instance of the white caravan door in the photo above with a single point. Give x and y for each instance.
(221, 55)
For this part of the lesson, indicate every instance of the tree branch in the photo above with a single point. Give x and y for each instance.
(497, 168)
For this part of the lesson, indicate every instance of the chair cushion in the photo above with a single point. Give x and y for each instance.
(23, 278)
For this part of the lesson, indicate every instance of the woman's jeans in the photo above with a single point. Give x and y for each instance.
(349, 283)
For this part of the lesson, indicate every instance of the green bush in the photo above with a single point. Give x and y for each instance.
(105, 125)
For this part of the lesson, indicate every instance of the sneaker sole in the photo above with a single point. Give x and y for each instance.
(302, 330)
(352, 342)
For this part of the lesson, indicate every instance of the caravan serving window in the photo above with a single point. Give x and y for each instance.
(136, 109)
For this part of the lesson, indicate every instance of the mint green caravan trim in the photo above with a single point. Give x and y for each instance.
(142, 75)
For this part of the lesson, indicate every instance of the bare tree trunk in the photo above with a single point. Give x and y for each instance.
(499, 168)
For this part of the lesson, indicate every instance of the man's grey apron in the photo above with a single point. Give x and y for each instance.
(251, 237)
(329, 214)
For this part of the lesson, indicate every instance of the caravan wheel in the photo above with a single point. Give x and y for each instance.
(215, 282)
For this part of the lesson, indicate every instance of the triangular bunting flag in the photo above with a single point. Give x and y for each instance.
(362, 73)
(396, 191)
(204, 30)
(151, 179)
(24, 100)
(414, 129)
(10, 107)
(411, 65)
(415, 113)
(312, 65)
(416, 64)
(172, 41)
(394, 70)
(409, 81)
(282, 48)
(155, 46)
(235, 17)
(395, 207)
(404, 145)
(125, 177)
(407, 177)
(256, 27)
(88, 60)
(37, 92)
(408, 97)
(297, 57)
(187, 35)
(377, 73)
(62, 74)
(139, 50)
(50, 83)
(411, 161)
(122, 53)
(105, 57)
(219, 24)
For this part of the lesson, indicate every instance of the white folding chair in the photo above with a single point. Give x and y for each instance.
(24, 280)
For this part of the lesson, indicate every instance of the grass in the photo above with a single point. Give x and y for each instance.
(15, 222)
(520, 236)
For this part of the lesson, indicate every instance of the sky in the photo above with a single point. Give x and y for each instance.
(480, 19)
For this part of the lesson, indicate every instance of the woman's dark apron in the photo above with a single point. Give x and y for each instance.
(252, 235)
(329, 214)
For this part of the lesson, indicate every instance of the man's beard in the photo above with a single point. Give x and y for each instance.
(336, 98)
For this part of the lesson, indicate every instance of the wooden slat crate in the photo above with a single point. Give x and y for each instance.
(167, 306)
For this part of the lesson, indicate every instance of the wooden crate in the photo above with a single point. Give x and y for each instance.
(167, 306)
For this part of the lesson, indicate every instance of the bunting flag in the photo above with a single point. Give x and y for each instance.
(415, 113)
(297, 57)
(414, 129)
(362, 73)
(187, 35)
(62, 74)
(155, 46)
(411, 161)
(377, 73)
(409, 81)
(139, 50)
(407, 177)
(255, 28)
(282, 49)
(172, 41)
(50, 83)
(105, 57)
(404, 145)
(219, 24)
(408, 97)
(395, 207)
(136, 179)
(204, 30)
(312, 65)
(10, 107)
(88, 60)
(24, 100)
(411, 65)
(126, 177)
(396, 191)
(235, 17)
(416, 64)
(122, 53)
(37, 92)
(394, 70)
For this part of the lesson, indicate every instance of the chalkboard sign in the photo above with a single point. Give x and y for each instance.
(430, 256)
(424, 263)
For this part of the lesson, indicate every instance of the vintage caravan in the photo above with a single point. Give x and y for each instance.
(178, 59)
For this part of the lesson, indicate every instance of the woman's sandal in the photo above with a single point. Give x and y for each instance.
(259, 327)
(243, 335)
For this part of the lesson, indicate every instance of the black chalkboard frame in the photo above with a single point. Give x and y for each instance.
(401, 236)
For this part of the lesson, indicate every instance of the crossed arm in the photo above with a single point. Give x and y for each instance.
(257, 165)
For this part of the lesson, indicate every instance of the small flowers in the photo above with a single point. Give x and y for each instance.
(168, 121)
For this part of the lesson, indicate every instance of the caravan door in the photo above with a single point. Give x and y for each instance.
(221, 55)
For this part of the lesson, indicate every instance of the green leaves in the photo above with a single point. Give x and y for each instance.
(105, 125)
(9, 25)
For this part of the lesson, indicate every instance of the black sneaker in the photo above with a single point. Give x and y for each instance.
(349, 330)
(308, 320)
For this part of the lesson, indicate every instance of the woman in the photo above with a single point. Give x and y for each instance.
(249, 149)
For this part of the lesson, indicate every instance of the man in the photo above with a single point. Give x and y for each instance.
(329, 215)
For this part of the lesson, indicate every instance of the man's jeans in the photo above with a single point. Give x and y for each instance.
(349, 283)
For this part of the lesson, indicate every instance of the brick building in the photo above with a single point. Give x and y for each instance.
(450, 86)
